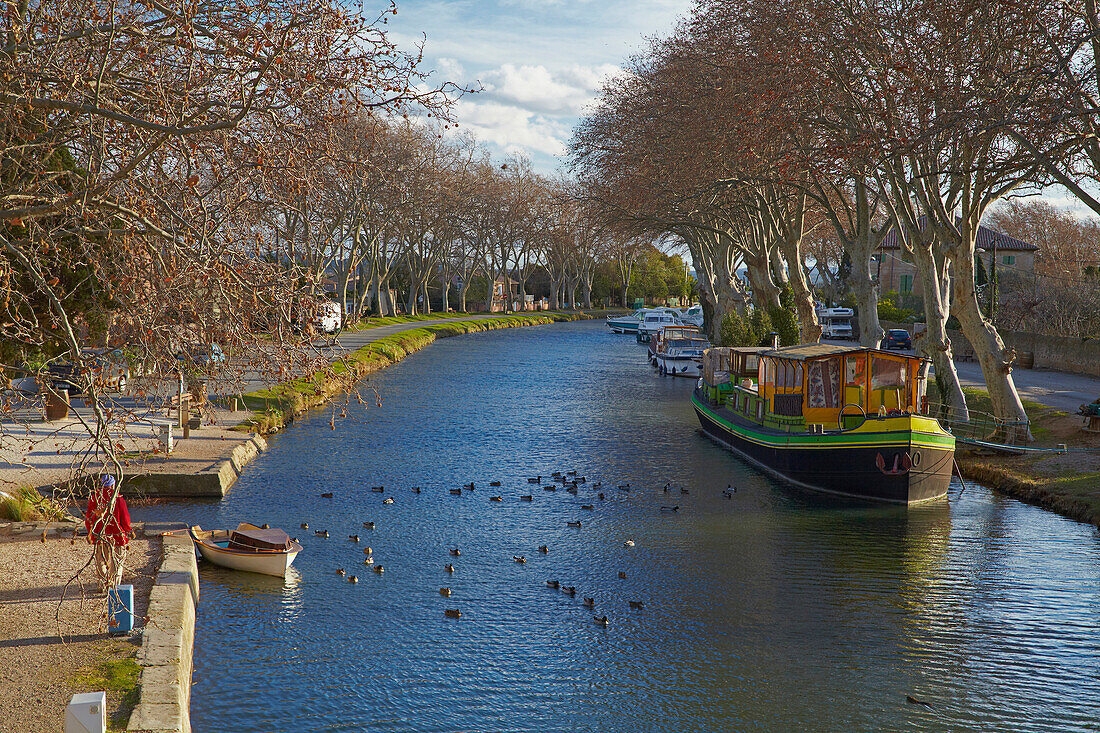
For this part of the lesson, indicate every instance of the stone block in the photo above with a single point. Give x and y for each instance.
(155, 717)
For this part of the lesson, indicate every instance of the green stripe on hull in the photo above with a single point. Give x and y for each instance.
(829, 441)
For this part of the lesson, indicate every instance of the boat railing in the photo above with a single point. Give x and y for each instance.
(978, 425)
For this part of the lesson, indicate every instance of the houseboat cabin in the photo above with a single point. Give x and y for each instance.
(841, 419)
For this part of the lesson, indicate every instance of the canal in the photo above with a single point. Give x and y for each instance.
(773, 610)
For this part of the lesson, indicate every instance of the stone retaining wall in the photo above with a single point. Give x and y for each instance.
(212, 482)
(167, 642)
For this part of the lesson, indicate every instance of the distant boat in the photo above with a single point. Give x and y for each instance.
(655, 321)
(248, 547)
(625, 324)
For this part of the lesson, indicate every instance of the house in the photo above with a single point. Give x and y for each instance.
(895, 269)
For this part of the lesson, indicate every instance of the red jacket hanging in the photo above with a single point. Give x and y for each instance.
(114, 529)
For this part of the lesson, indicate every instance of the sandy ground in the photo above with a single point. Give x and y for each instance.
(44, 641)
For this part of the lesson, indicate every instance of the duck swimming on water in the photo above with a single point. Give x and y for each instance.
(387, 501)
(321, 532)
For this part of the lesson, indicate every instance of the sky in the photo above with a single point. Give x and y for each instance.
(538, 62)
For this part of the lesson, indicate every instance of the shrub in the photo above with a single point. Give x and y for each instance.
(27, 505)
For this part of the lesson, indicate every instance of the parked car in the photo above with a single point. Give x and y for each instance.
(66, 375)
(202, 355)
(897, 338)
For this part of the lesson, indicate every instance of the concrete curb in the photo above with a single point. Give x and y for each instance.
(212, 482)
(167, 642)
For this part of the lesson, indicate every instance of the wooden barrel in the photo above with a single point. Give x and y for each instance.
(1026, 360)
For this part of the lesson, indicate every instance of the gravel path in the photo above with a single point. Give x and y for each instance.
(37, 665)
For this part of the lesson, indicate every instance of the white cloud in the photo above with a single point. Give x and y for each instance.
(537, 88)
(449, 68)
(513, 129)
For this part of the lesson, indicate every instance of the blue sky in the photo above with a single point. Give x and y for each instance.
(539, 61)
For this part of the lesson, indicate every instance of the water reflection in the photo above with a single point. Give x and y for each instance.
(775, 610)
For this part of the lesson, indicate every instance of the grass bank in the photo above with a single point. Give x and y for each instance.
(1067, 483)
(275, 407)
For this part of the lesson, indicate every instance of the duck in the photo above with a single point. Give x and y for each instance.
(304, 525)
(550, 488)
(622, 575)
(569, 590)
(600, 496)
(556, 474)
(445, 592)
(368, 525)
(470, 486)
(519, 558)
(527, 497)
(684, 491)
(496, 498)
(452, 613)
(667, 487)
(265, 526)
(368, 560)
(321, 532)
(534, 480)
(590, 602)
(624, 487)
(572, 490)
(353, 579)
(455, 552)
(387, 501)
(340, 571)
(456, 492)
(628, 543)
(552, 584)
(326, 495)
(637, 604)
(670, 508)
(379, 569)
(598, 485)
(415, 489)
(571, 473)
(574, 524)
(368, 550)
(449, 568)
(353, 537)
(588, 507)
(378, 489)
(729, 491)
(601, 620)
(494, 483)
(544, 549)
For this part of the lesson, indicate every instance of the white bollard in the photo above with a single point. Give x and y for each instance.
(167, 443)
(87, 713)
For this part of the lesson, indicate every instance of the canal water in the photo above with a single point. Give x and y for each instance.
(773, 610)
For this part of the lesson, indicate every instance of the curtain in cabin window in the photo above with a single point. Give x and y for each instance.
(824, 383)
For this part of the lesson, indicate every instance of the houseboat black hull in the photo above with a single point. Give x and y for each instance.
(900, 459)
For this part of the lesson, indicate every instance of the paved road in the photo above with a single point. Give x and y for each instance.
(1060, 390)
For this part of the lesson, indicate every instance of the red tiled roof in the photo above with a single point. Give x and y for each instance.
(986, 239)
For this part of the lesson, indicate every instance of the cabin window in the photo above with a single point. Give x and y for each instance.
(752, 363)
(853, 371)
(886, 373)
(823, 383)
(788, 375)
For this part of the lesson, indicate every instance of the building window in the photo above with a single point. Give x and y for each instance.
(906, 284)
(1008, 260)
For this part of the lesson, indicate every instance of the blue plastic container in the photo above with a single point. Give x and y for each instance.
(120, 609)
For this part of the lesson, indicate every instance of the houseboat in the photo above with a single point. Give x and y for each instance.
(837, 419)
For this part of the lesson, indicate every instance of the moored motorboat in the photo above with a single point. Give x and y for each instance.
(654, 321)
(836, 419)
(625, 324)
(248, 547)
(678, 351)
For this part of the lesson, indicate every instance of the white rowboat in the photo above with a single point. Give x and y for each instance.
(248, 548)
